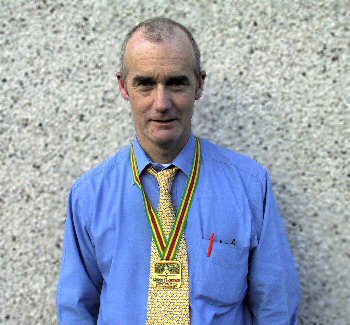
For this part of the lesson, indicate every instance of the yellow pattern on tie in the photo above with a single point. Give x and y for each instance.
(168, 306)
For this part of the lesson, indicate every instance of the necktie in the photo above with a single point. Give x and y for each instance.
(168, 306)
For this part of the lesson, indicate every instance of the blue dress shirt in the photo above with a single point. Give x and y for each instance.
(249, 279)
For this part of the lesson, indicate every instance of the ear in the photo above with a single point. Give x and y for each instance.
(200, 88)
(122, 86)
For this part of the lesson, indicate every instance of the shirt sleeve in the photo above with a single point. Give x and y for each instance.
(274, 289)
(80, 281)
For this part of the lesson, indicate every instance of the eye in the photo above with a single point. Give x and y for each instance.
(178, 83)
(145, 85)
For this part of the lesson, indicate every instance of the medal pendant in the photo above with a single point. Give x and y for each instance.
(166, 275)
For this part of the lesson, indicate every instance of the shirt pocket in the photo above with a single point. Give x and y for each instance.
(221, 279)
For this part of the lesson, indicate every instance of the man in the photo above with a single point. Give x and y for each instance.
(129, 258)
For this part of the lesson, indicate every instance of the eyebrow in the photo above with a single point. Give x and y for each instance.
(178, 79)
(149, 80)
(142, 79)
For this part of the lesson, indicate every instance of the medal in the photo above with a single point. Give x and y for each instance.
(166, 273)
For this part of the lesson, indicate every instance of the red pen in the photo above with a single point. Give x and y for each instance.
(211, 244)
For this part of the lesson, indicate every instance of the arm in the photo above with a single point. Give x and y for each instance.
(78, 292)
(274, 292)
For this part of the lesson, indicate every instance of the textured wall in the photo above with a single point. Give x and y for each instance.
(277, 89)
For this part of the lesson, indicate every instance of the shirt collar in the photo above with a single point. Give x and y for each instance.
(183, 160)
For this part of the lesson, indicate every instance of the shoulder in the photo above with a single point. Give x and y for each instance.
(228, 158)
(112, 166)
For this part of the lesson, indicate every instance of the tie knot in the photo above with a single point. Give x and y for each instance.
(164, 177)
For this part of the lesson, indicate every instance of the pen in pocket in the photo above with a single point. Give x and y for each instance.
(210, 248)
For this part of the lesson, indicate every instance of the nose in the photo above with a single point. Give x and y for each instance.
(162, 99)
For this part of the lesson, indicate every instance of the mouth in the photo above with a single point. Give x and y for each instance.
(165, 121)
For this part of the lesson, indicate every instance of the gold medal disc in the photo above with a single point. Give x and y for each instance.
(166, 275)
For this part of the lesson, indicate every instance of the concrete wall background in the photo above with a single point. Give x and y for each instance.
(277, 89)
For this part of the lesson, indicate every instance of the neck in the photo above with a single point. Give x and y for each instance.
(163, 154)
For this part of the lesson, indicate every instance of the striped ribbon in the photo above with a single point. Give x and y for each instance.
(167, 248)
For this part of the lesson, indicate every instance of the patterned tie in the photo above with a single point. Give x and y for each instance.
(168, 306)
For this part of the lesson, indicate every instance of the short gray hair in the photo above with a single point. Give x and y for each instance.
(157, 30)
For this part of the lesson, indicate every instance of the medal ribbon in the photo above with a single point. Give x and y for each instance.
(167, 248)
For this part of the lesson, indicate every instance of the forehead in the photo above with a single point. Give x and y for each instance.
(175, 53)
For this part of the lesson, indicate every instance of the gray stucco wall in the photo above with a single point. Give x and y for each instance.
(277, 89)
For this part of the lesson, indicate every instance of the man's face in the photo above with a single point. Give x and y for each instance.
(161, 86)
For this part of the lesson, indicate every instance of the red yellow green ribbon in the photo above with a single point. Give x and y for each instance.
(167, 248)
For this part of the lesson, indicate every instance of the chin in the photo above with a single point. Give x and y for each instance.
(164, 141)
(166, 136)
